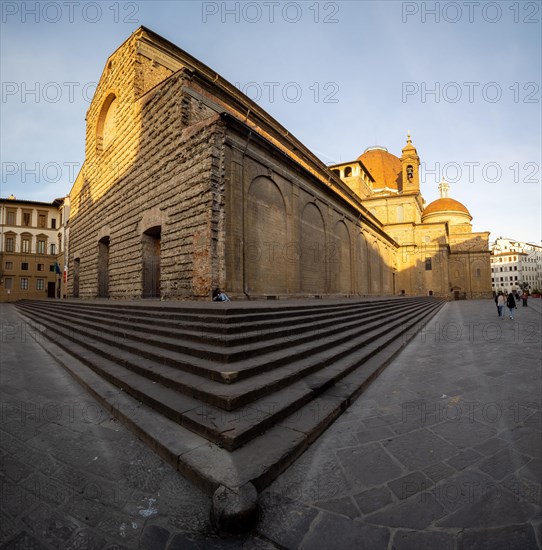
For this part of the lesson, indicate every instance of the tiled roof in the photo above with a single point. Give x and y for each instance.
(385, 168)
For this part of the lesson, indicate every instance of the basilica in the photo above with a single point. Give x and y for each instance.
(188, 185)
(438, 252)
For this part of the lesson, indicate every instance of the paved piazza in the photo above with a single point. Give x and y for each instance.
(443, 451)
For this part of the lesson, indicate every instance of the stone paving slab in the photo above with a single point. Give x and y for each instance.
(451, 432)
(446, 452)
(73, 477)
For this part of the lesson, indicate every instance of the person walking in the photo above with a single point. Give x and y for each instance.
(524, 297)
(511, 304)
(501, 302)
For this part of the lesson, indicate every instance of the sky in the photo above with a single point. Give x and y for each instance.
(463, 77)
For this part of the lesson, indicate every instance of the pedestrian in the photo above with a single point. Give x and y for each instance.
(497, 302)
(511, 304)
(524, 297)
(501, 302)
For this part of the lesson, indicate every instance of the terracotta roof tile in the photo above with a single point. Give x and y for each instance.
(385, 168)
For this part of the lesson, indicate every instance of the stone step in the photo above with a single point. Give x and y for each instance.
(233, 429)
(214, 393)
(240, 426)
(200, 360)
(225, 312)
(211, 332)
(215, 349)
(225, 329)
(257, 462)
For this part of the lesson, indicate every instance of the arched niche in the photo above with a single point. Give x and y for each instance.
(266, 239)
(376, 269)
(364, 266)
(107, 122)
(313, 250)
(341, 260)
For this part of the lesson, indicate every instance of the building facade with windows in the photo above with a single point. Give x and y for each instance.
(29, 246)
(515, 265)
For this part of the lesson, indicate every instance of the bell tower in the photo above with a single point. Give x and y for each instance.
(410, 162)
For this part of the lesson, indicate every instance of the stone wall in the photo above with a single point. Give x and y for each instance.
(289, 235)
(153, 182)
(179, 194)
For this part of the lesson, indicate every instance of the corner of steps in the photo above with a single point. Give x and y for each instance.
(263, 456)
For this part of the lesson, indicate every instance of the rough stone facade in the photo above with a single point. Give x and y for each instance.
(188, 185)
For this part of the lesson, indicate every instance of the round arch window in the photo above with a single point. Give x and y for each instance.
(106, 128)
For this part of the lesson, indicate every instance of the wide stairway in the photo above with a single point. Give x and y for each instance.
(229, 393)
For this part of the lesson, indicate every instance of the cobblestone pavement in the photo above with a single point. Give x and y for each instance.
(443, 451)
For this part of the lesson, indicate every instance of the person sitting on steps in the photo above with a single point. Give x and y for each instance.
(219, 296)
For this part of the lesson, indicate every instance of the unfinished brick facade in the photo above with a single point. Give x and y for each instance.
(188, 185)
(184, 189)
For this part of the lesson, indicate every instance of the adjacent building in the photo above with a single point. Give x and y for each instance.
(515, 265)
(30, 241)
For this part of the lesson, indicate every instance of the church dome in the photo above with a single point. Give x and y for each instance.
(385, 168)
(448, 209)
(445, 205)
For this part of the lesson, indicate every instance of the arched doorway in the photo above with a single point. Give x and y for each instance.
(151, 262)
(76, 266)
(103, 267)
